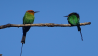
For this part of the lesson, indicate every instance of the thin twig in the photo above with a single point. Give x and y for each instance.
(41, 25)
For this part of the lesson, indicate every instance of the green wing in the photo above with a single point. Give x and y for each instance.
(28, 18)
(73, 20)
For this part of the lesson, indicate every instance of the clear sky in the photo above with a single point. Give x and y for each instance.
(49, 41)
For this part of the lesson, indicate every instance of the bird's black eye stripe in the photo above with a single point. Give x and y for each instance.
(32, 11)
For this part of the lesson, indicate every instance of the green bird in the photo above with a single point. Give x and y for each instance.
(73, 19)
(27, 19)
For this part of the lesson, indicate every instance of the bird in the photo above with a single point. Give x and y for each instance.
(73, 19)
(27, 19)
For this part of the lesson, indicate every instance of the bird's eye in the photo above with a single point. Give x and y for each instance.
(32, 11)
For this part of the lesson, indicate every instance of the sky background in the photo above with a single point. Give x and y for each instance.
(49, 41)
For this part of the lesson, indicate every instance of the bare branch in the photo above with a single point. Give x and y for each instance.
(42, 25)
(0, 54)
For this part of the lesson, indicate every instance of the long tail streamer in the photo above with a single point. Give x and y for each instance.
(81, 36)
(21, 49)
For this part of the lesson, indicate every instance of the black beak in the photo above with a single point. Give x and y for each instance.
(65, 16)
(36, 11)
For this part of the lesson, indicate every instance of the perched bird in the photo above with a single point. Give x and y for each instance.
(73, 19)
(27, 19)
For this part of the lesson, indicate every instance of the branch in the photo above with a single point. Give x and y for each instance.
(0, 54)
(42, 25)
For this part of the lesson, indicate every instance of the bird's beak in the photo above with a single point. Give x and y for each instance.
(36, 11)
(65, 16)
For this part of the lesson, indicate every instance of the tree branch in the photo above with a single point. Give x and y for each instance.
(42, 25)
(0, 54)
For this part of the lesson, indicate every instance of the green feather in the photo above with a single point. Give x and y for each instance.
(27, 19)
(73, 20)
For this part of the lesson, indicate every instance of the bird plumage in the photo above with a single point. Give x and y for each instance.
(27, 19)
(73, 19)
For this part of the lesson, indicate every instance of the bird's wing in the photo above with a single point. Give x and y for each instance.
(73, 20)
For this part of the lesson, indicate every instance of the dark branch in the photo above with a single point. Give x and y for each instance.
(0, 54)
(42, 25)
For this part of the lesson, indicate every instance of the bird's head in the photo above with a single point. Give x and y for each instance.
(32, 12)
(74, 13)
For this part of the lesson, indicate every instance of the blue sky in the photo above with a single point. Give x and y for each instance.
(49, 41)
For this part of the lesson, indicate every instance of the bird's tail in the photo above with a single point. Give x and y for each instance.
(81, 36)
(23, 38)
(79, 29)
